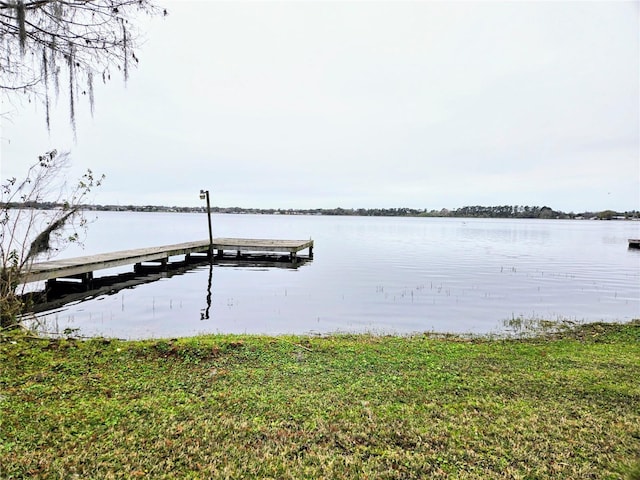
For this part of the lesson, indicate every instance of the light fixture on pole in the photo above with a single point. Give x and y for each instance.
(205, 194)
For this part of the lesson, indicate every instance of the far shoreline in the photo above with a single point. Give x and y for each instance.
(482, 212)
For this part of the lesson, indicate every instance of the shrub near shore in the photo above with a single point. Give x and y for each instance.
(559, 406)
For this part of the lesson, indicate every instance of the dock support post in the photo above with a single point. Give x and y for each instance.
(87, 280)
(164, 266)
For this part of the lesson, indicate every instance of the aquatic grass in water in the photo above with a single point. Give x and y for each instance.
(523, 327)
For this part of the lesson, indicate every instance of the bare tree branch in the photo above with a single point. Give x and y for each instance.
(39, 39)
(27, 232)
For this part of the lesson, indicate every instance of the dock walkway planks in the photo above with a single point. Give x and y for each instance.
(85, 266)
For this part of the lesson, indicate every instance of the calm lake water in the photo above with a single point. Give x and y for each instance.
(369, 274)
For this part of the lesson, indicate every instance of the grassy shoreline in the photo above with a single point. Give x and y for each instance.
(563, 405)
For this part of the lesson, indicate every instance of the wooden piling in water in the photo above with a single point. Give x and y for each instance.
(83, 267)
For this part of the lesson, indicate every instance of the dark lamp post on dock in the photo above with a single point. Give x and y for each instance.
(205, 194)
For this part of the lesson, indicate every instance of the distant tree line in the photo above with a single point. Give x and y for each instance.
(475, 211)
(507, 211)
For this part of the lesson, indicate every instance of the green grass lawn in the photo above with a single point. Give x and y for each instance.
(353, 406)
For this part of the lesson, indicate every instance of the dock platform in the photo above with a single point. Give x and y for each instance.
(83, 267)
(634, 243)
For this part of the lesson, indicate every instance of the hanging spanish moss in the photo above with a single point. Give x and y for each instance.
(54, 69)
(45, 74)
(72, 90)
(39, 39)
(125, 48)
(42, 243)
(20, 17)
(90, 89)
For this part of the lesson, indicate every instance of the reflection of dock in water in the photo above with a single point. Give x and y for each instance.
(83, 268)
(64, 291)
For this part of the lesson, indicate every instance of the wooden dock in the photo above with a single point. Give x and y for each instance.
(634, 243)
(83, 267)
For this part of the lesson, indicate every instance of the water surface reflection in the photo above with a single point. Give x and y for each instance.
(369, 274)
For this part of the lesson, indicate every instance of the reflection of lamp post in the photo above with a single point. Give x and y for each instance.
(205, 194)
(204, 313)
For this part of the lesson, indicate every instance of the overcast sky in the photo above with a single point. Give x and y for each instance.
(364, 104)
